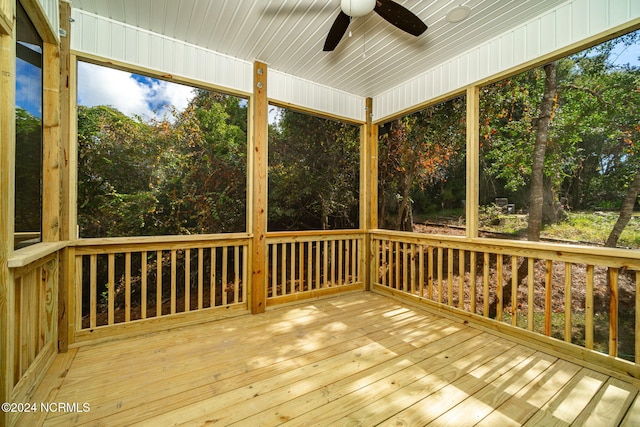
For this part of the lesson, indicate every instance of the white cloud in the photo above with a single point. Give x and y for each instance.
(149, 98)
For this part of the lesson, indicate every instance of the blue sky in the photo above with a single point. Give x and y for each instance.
(130, 93)
(27, 96)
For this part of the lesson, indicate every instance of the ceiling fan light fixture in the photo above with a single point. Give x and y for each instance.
(458, 14)
(357, 8)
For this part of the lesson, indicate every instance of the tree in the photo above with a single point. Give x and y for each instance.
(422, 152)
(537, 200)
(313, 173)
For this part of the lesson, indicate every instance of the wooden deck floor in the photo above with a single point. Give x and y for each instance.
(352, 360)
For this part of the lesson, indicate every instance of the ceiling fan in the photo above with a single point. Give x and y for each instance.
(392, 12)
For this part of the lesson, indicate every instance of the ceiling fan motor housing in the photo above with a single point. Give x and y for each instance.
(357, 8)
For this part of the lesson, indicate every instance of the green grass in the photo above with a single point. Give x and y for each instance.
(595, 228)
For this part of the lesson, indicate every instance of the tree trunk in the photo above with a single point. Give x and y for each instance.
(536, 200)
(625, 212)
(537, 197)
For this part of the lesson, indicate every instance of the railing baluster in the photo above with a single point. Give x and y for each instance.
(450, 276)
(213, 277)
(514, 290)
(309, 265)
(613, 312)
(143, 284)
(499, 287)
(567, 301)
(158, 283)
(236, 275)
(440, 276)
(93, 290)
(173, 280)
(547, 297)
(127, 287)
(301, 259)
(430, 270)
(187, 280)
(485, 296)
(225, 278)
(472, 279)
(111, 283)
(405, 265)
(530, 297)
(200, 278)
(421, 271)
(588, 308)
(461, 255)
(413, 269)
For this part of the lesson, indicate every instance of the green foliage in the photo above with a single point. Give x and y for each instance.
(28, 172)
(313, 173)
(182, 177)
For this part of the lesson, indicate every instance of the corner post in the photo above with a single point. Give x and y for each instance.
(68, 155)
(257, 166)
(368, 188)
(473, 160)
(7, 177)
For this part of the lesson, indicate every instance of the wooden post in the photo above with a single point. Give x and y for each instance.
(67, 171)
(257, 188)
(51, 144)
(473, 160)
(368, 190)
(7, 176)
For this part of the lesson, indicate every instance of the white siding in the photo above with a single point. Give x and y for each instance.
(50, 8)
(112, 40)
(287, 89)
(563, 26)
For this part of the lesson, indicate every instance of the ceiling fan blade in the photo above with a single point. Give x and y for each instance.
(336, 32)
(400, 17)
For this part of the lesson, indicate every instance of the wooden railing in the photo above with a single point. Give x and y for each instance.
(121, 281)
(581, 296)
(307, 264)
(33, 323)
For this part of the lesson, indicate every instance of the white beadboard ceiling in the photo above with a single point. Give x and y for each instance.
(288, 35)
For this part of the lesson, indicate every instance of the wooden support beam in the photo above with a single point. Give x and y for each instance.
(368, 188)
(51, 143)
(7, 177)
(473, 160)
(6, 17)
(67, 171)
(257, 188)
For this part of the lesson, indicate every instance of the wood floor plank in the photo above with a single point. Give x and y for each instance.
(632, 417)
(457, 389)
(303, 380)
(479, 405)
(518, 409)
(609, 406)
(352, 359)
(571, 400)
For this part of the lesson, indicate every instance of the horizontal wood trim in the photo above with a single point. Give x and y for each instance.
(26, 256)
(316, 293)
(156, 324)
(591, 359)
(581, 254)
(98, 245)
(312, 236)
